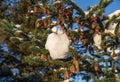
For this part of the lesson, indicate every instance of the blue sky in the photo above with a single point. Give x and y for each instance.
(115, 5)
(85, 3)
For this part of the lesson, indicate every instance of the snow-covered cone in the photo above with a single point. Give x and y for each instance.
(97, 40)
(57, 43)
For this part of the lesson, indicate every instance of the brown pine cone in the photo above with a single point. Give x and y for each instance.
(18, 33)
(96, 67)
(72, 69)
(93, 25)
(97, 31)
(93, 18)
(43, 57)
(76, 61)
(39, 24)
(35, 9)
(76, 19)
(58, 4)
(84, 41)
(66, 74)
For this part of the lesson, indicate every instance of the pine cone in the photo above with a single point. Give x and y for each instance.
(97, 31)
(66, 74)
(39, 24)
(81, 36)
(44, 24)
(35, 10)
(79, 25)
(67, 32)
(45, 11)
(96, 67)
(48, 12)
(93, 25)
(93, 18)
(58, 4)
(76, 61)
(43, 57)
(84, 41)
(75, 19)
(72, 69)
(18, 33)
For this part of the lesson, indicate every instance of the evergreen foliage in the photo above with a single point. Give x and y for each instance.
(24, 32)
